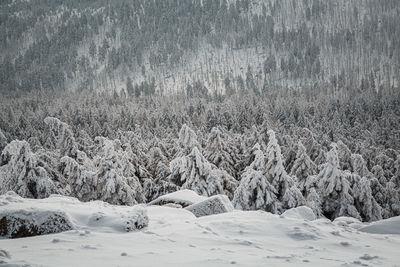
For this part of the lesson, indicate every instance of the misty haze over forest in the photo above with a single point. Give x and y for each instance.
(143, 47)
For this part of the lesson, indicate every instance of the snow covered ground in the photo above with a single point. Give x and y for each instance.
(175, 237)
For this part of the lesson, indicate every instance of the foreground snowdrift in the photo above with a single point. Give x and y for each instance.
(175, 237)
(389, 226)
(21, 217)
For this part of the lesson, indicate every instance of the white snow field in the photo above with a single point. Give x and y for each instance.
(175, 237)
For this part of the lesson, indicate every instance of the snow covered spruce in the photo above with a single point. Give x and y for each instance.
(258, 170)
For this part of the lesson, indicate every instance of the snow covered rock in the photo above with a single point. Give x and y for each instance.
(212, 205)
(128, 222)
(20, 217)
(301, 213)
(24, 223)
(183, 198)
(17, 221)
(388, 227)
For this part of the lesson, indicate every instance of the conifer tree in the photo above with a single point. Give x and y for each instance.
(344, 154)
(61, 136)
(220, 152)
(20, 171)
(303, 167)
(288, 194)
(255, 191)
(365, 203)
(187, 140)
(335, 189)
(194, 172)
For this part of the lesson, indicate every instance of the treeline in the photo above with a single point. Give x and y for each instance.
(337, 154)
(100, 44)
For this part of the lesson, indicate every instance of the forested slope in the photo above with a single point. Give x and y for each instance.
(143, 47)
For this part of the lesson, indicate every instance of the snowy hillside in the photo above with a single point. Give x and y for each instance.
(175, 237)
(142, 47)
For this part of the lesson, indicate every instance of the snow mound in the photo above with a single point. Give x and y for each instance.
(21, 217)
(300, 213)
(388, 226)
(212, 205)
(183, 198)
(348, 222)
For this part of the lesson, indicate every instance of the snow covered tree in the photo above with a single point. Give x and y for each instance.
(61, 136)
(110, 177)
(155, 188)
(112, 187)
(344, 154)
(335, 189)
(128, 161)
(3, 140)
(287, 192)
(393, 199)
(359, 166)
(34, 143)
(255, 191)
(292, 198)
(159, 184)
(196, 173)
(321, 157)
(365, 203)
(157, 165)
(313, 201)
(84, 142)
(379, 174)
(246, 158)
(252, 137)
(396, 172)
(311, 145)
(80, 179)
(117, 179)
(289, 152)
(387, 164)
(20, 172)
(135, 146)
(220, 152)
(378, 188)
(187, 140)
(303, 167)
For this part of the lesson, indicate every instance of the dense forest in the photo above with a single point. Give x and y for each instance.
(147, 47)
(337, 153)
(274, 103)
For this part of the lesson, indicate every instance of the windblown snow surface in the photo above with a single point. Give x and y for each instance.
(175, 237)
